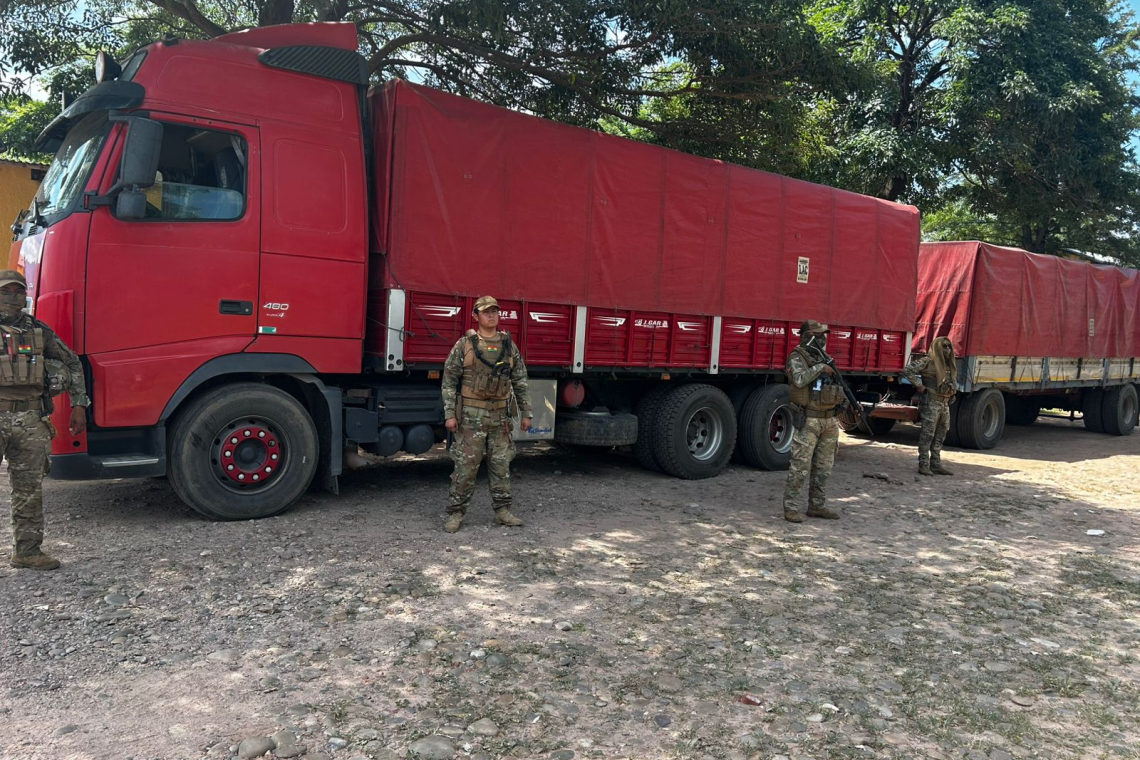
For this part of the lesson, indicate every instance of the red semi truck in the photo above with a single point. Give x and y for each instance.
(1032, 332)
(260, 263)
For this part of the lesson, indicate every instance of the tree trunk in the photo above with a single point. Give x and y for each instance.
(1034, 236)
(274, 12)
(895, 188)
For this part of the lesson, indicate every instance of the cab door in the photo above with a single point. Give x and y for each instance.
(187, 273)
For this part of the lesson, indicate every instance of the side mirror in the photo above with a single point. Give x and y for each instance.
(140, 154)
(131, 204)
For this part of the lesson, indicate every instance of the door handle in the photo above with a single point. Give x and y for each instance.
(240, 308)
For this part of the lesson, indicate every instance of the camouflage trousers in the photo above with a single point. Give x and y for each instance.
(813, 456)
(482, 434)
(934, 412)
(25, 442)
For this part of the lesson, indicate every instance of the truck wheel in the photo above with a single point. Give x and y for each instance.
(1092, 406)
(766, 428)
(981, 420)
(1021, 410)
(1118, 413)
(646, 412)
(695, 432)
(579, 428)
(243, 451)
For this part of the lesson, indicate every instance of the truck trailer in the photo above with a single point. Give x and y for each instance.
(261, 262)
(1031, 332)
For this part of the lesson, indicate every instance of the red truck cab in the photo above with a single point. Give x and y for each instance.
(247, 251)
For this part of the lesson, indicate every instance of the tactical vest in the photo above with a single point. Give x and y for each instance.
(827, 398)
(930, 381)
(487, 372)
(22, 363)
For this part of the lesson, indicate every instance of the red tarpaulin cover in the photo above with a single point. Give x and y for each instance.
(995, 301)
(474, 199)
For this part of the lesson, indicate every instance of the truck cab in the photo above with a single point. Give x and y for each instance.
(205, 217)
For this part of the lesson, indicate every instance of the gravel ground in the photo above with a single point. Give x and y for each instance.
(634, 616)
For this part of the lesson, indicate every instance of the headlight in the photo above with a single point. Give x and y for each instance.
(105, 67)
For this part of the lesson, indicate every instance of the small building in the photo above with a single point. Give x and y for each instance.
(19, 180)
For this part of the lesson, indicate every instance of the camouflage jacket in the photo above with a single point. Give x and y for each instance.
(55, 351)
(453, 376)
(924, 365)
(800, 373)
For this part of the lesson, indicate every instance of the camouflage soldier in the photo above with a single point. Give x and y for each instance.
(29, 347)
(816, 399)
(483, 375)
(933, 377)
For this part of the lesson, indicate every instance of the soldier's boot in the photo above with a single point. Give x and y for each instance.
(938, 469)
(824, 512)
(454, 522)
(36, 561)
(505, 517)
(792, 515)
(924, 469)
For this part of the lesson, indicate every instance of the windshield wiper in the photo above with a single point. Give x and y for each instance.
(19, 223)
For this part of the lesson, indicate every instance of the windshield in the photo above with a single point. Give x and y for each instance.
(68, 173)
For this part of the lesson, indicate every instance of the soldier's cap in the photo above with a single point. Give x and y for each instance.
(485, 302)
(811, 327)
(9, 276)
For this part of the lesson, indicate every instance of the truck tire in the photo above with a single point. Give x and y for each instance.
(646, 412)
(695, 432)
(766, 428)
(981, 420)
(595, 428)
(1118, 413)
(243, 451)
(1021, 410)
(738, 394)
(1092, 406)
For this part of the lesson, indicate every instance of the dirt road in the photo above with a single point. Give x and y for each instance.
(634, 616)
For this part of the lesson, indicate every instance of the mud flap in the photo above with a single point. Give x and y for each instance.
(328, 416)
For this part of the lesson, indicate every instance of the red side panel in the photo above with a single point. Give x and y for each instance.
(543, 332)
(130, 388)
(1130, 310)
(765, 344)
(1104, 313)
(547, 334)
(484, 200)
(945, 280)
(1004, 301)
(1072, 307)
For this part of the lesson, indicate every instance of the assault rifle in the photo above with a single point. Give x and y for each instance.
(851, 400)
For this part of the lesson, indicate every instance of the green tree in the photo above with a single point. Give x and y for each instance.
(573, 60)
(1043, 119)
(887, 130)
(21, 121)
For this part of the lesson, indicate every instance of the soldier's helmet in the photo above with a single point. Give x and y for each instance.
(9, 276)
(486, 302)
